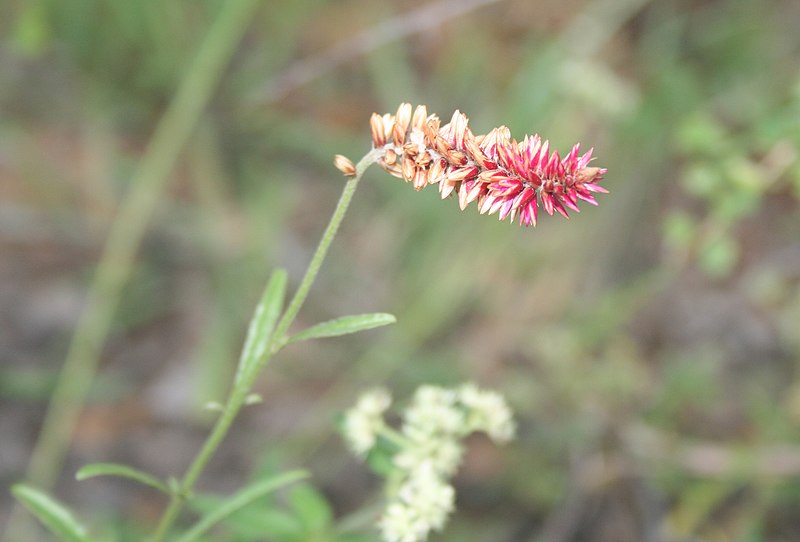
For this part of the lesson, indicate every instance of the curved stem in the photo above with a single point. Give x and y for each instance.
(240, 391)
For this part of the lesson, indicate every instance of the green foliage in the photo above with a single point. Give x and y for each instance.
(343, 325)
(122, 471)
(58, 519)
(259, 333)
(242, 498)
(32, 30)
(729, 173)
(305, 515)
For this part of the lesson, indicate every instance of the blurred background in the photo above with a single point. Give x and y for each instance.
(649, 346)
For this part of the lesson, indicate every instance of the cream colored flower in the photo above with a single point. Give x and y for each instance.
(433, 412)
(363, 422)
(422, 504)
(487, 411)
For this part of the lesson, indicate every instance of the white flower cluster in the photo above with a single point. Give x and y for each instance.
(363, 422)
(422, 504)
(433, 425)
(487, 411)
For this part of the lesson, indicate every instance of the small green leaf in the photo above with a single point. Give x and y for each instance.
(276, 524)
(260, 520)
(122, 471)
(262, 325)
(380, 458)
(55, 516)
(239, 500)
(344, 326)
(311, 507)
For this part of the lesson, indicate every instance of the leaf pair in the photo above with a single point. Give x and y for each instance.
(260, 340)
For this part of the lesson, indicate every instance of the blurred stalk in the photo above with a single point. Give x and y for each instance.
(116, 263)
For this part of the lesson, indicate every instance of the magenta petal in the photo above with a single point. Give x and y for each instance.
(505, 209)
(560, 208)
(547, 203)
(573, 154)
(496, 206)
(524, 197)
(584, 160)
(527, 215)
(570, 204)
(552, 165)
(487, 204)
(595, 188)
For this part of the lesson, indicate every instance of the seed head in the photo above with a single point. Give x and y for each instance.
(499, 173)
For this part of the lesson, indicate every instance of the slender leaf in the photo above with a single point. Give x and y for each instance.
(55, 516)
(261, 520)
(122, 471)
(262, 325)
(344, 326)
(241, 499)
(311, 507)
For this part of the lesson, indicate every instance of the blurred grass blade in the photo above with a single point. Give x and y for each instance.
(262, 325)
(121, 471)
(117, 261)
(55, 516)
(241, 499)
(344, 326)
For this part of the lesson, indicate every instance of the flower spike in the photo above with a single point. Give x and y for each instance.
(494, 170)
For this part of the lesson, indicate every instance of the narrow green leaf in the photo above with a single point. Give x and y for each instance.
(344, 326)
(241, 499)
(122, 471)
(55, 516)
(262, 325)
(261, 520)
(311, 507)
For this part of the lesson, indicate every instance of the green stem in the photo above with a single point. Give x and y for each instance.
(240, 390)
(213, 441)
(319, 255)
(116, 263)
